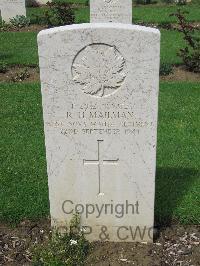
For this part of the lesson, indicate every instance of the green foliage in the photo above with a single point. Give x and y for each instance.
(191, 59)
(144, 2)
(68, 248)
(181, 2)
(59, 14)
(3, 67)
(165, 25)
(20, 21)
(165, 69)
(87, 3)
(178, 2)
(4, 26)
(168, 1)
(191, 53)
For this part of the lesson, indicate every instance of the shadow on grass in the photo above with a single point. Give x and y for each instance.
(172, 184)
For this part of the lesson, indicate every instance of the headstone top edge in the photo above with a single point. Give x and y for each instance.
(96, 26)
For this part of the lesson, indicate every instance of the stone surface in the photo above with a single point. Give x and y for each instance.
(100, 102)
(37, 2)
(182, 1)
(111, 11)
(12, 8)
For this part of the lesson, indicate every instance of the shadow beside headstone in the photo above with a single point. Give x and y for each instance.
(172, 184)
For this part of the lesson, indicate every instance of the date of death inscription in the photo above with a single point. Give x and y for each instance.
(93, 122)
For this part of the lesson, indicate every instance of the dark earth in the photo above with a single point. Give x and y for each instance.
(174, 245)
(31, 74)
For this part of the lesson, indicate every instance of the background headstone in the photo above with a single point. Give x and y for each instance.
(12, 8)
(111, 11)
(37, 2)
(182, 1)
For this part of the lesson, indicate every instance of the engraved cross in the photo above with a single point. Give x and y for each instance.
(100, 162)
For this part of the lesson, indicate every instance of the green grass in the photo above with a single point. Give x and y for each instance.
(18, 48)
(23, 178)
(159, 14)
(34, 13)
(149, 14)
(178, 165)
(21, 47)
(171, 42)
(142, 13)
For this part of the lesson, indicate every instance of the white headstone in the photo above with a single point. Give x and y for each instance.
(100, 87)
(37, 2)
(182, 1)
(111, 11)
(12, 8)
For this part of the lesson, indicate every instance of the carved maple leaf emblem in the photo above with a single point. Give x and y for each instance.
(100, 67)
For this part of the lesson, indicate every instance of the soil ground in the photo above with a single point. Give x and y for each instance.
(38, 28)
(181, 74)
(20, 74)
(30, 28)
(175, 245)
(16, 73)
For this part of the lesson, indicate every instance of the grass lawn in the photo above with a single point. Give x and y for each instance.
(18, 48)
(23, 177)
(21, 47)
(24, 191)
(159, 14)
(178, 165)
(171, 42)
(149, 13)
(145, 13)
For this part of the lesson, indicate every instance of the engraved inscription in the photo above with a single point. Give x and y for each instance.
(100, 162)
(99, 69)
(106, 11)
